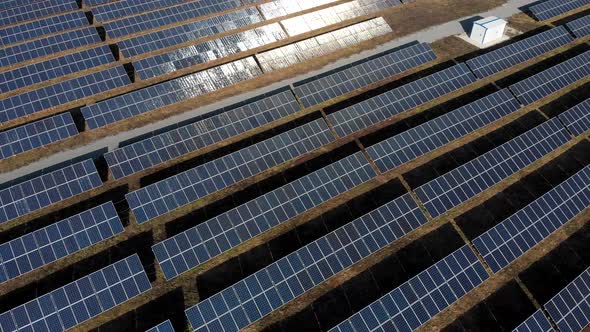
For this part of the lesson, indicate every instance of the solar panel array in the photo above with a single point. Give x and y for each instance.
(570, 308)
(197, 245)
(33, 10)
(179, 190)
(285, 56)
(470, 179)
(348, 79)
(47, 189)
(537, 322)
(165, 326)
(80, 300)
(511, 238)
(284, 280)
(553, 79)
(577, 119)
(280, 8)
(53, 68)
(114, 10)
(414, 302)
(66, 237)
(379, 108)
(61, 93)
(36, 134)
(408, 145)
(521, 51)
(553, 8)
(170, 92)
(580, 27)
(36, 29)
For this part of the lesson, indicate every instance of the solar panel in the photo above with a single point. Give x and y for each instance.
(580, 27)
(61, 93)
(165, 326)
(114, 10)
(553, 8)
(577, 118)
(288, 278)
(169, 92)
(35, 10)
(37, 134)
(408, 145)
(537, 322)
(66, 237)
(188, 32)
(521, 51)
(39, 28)
(307, 49)
(518, 233)
(89, 3)
(570, 308)
(172, 144)
(396, 101)
(174, 192)
(80, 300)
(48, 45)
(350, 78)
(9, 4)
(414, 302)
(199, 244)
(53, 68)
(47, 189)
(470, 179)
(553, 79)
(279, 8)
(208, 51)
(167, 16)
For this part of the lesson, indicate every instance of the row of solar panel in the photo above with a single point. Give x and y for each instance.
(33, 10)
(35, 29)
(165, 326)
(553, 8)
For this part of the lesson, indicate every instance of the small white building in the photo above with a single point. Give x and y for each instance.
(488, 30)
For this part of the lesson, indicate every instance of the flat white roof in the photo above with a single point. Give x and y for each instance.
(490, 22)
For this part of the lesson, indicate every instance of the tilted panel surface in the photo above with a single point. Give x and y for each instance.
(537, 322)
(553, 8)
(577, 119)
(580, 27)
(35, 10)
(49, 25)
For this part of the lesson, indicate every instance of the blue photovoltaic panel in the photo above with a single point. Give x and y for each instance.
(179, 190)
(53, 68)
(80, 300)
(56, 241)
(553, 8)
(162, 327)
(71, 90)
(37, 134)
(90, 3)
(414, 302)
(33, 10)
(512, 237)
(409, 145)
(36, 29)
(518, 52)
(577, 118)
(350, 78)
(553, 79)
(406, 97)
(49, 45)
(537, 322)
(580, 27)
(197, 245)
(166, 16)
(470, 179)
(172, 144)
(37, 193)
(10, 3)
(119, 9)
(284, 280)
(570, 308)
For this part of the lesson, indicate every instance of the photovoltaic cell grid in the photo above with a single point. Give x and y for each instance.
(49, 45)
(35, 29)
(114, 10)
(165, 326)
(172, 144)
(577, 119)
(56, 241)
(9, 4)
(406, 97)
(37, 193)
(35, 10)
(511, 238)
(208, 51)
(399, 149)
(197, 245)
(280, 8)
(80, 300)
(470, 179)
(166, 16)
(414, 302)
(37, 134)
(53, 68)
(521, 51)
(188, 32)
(553, 8)
(71, 90)
(179, 190)
(284, 280)
(169, 92)
(307, 49)
(580, 27)
(570, 308)
(349, 79)
(537, 322)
